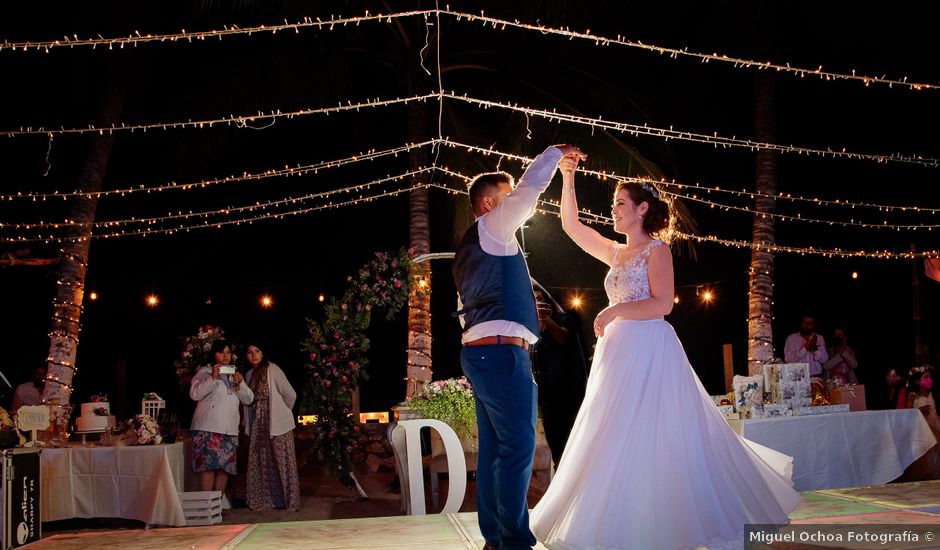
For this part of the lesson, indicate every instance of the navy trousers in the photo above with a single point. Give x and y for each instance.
(506, 403)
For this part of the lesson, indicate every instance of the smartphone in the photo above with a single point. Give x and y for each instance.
(227, 369)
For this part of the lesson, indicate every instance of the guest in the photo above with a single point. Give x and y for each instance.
(30, 393)
(215, 422)
(558, 363)
(920, 396)
(842, 363)
(894, 395)
(806, 346)
(269, 422)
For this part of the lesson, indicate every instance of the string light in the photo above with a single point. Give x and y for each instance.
(153, 300)
(137, 38)
(752, 195)
(228, 30)
(93, 296)
(372, 154)
(828, 253)
(216, 225)
(694, 198)
(674, 53)
(713, 139)
(266, 301)
(231, 210)
(240, 121)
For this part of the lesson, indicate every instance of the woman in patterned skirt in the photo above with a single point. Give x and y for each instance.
(269, 421)
(215, 422)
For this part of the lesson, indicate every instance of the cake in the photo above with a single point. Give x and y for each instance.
(95, 417)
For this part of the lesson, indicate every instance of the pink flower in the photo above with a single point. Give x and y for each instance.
(313, 356)
(327, 383)
(343, 307)
(397, 284)
(394, 263)
(345, 378)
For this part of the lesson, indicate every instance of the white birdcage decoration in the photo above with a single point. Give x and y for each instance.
(152, 405)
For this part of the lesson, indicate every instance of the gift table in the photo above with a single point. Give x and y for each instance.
(137, 482)
(853, 449)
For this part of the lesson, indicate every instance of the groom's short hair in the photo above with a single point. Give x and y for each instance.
(482, 184)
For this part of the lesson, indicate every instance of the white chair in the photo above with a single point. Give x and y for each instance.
(405, 436)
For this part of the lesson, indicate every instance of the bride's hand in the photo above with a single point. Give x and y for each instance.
(567, 166)
(604, 318)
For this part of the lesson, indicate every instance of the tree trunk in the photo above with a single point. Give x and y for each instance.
(73, 262)
(419, 301)
(761, 285)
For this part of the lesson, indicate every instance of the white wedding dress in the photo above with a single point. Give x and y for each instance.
(651, 463)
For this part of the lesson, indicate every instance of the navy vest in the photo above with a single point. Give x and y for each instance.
(493, 288)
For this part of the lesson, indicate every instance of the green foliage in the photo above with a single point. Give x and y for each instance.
(450, 401)
(336, 352)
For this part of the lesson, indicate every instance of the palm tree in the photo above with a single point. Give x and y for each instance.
(761, 284)
(73, 261)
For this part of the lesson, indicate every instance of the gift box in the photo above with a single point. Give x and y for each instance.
(821, 409)
(852, 395)
(749, 395)
(771, 374)
(774, 410)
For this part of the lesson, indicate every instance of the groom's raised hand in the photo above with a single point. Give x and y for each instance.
(571, 151)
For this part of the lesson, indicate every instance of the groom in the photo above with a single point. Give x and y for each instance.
(500, 323)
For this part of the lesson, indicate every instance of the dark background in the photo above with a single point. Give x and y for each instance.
(297, 258)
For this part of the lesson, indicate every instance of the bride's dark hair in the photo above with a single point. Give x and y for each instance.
(658, 218)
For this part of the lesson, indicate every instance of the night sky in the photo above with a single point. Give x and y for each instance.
(218, 275)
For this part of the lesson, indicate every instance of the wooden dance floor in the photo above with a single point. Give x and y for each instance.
(901, 503)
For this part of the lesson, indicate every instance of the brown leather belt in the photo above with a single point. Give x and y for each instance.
(498, 340)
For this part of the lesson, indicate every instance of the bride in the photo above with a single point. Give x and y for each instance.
(651, 463)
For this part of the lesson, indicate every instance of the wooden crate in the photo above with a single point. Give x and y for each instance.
(202, 507)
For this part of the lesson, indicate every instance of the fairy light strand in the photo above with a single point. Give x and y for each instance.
(240, 121)
(372, 154)
(676, 53)
(239, 221)
(253, 207)
(713, 204)
(829, 253)
(670, 133)
(137, 38)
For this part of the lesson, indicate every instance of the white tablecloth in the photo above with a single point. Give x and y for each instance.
(853, 449)
(140, 482)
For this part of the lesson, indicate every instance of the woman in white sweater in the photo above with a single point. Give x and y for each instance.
(269, 421)
(215, 422)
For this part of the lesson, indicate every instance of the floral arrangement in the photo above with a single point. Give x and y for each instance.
(195, 354)
(151, 396)
(99, 398)
(450, 401)
(146, 429)
(101, 411)
(336, 352)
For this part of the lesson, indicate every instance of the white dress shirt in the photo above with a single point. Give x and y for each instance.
(795, 352)
(497, 230)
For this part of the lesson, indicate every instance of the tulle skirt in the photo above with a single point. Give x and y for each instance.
(651, 464)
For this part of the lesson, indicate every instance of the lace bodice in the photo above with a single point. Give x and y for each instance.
(629, 281)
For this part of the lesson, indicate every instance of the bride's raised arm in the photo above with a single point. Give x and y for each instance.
(587, 238)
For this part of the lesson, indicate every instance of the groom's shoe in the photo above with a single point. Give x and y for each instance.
(490, 547)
